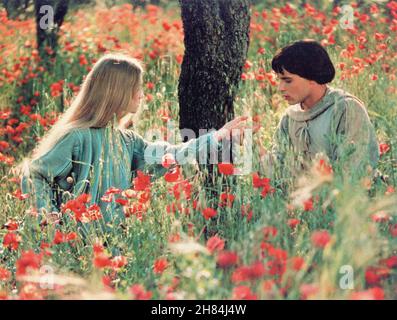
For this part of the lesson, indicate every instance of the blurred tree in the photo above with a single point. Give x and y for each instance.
(48, 23)
(25, 8)
(216, 44)
(15, 8)
(142, 3)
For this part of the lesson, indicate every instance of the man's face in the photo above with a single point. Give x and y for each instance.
(294, 88)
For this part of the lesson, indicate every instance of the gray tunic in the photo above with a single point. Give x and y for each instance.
(337, 126)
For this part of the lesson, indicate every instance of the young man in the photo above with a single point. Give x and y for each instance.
(320, 119)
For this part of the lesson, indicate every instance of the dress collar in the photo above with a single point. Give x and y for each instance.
(296, 113)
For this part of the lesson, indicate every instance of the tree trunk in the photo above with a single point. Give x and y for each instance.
(216, 44)
(47, 37)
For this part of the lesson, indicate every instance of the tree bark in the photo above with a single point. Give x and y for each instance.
(216, 44)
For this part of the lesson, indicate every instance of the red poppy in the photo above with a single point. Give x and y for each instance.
(380, 216)
(308, 205)
(258, 182)
(324, 168)
(320, 238)
(268, 285)
(94, 212)
(241, 274)
(243, 293)
(144, 196)
(176, 237)
(227, 259)
(215, 244)
(168, 160)
(226, 199)
(135, 209)
(389, 190)
(246, 211)
(269, 232)
(118, 262)
(248, 64)
(19, 195)
(121, 201)
(11, 225)
(28, 259)
(160, 265)
(4, 274)
(257, 270)
(296, 263)
(142, 181)
(83, 60)
(226, 168)
(107, 198)
(31, 291)
(393, 230)
(383, 148)
(375, 293)
(173, 175)
(77, 206)
(11, 240)
(113, 190)
(183, 186)
(97, 248)
(276, 267)
(64, 237)
(4, 145)
(139, 293)
(308, 289)
(44, 246)
(166, 26)
(101, 260)
(208, 213)
(390, 262)
(107, 282)
(276, 253)
(374, 275)
(292, 223)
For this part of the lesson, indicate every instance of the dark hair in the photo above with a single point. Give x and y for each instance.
(306, 58)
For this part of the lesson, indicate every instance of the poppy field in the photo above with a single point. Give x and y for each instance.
(328, 237)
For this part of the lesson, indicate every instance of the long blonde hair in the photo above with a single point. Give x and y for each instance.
(108, 90)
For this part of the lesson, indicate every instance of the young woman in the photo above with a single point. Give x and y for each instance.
(320, 119)
(86, 152)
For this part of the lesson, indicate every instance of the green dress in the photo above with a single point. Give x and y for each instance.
(92, 160)
(338, 127)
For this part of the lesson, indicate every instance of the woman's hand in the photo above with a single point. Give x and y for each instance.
(238, 123)
(226, 130)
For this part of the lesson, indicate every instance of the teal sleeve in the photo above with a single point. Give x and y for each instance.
(41, 175)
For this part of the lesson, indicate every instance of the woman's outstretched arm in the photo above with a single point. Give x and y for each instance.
(152, 153)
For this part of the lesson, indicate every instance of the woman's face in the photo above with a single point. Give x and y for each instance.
(136, 101)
